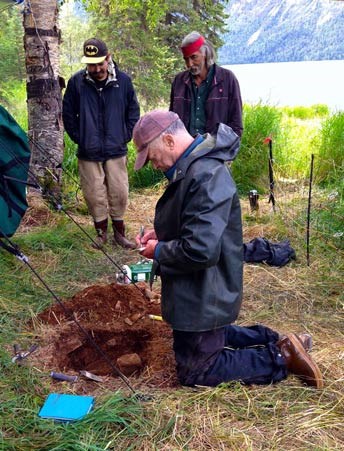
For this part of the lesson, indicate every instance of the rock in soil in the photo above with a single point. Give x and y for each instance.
(129, 364)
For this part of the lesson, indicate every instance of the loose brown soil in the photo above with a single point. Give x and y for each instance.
(114, 328)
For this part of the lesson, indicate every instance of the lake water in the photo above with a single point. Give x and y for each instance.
(295, 83)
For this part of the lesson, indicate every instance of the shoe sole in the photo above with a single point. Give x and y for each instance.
(317, 380)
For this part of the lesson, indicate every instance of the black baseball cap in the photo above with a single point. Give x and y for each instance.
(95, 51)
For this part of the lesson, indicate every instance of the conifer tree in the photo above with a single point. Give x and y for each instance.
(145, 36)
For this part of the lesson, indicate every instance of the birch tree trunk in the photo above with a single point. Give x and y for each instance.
(44, 98)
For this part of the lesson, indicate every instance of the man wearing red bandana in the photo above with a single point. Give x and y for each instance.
(205, 94)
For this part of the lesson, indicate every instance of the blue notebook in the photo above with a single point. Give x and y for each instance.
(63, 407)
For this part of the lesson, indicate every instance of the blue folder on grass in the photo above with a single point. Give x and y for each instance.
(63, 407)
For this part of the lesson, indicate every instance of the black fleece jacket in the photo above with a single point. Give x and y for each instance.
(100, 121)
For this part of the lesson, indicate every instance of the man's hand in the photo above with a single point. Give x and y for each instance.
(149, 248)
(142, 239)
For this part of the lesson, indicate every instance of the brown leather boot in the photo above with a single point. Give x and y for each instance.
(119, 235)
(101, 238)
(299, 362)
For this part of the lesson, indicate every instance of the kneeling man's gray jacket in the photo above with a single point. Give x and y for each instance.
(198, 225)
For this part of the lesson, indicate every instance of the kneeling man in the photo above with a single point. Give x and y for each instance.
(197, 249)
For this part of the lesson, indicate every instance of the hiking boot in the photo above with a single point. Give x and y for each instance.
(299, 362)
(119, 235)
(101, 238)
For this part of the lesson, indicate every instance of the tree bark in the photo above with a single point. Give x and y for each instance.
(44, 98)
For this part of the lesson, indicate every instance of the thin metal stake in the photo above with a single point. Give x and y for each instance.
(271, 176)
(309, 208)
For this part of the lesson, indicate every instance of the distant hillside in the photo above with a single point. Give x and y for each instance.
(283, 30)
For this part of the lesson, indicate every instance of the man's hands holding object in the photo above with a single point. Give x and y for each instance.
(146, 242)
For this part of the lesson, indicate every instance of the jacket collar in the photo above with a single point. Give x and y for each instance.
(223, 145)
(196, 142)
(112, 74)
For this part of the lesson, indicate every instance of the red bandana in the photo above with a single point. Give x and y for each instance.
(193, 47)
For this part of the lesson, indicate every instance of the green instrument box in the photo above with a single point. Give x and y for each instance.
(140, 272)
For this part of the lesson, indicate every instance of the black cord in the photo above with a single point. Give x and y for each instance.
(14, 249)
(59, 207)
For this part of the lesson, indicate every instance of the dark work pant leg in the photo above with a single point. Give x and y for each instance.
(243, 337)
(202, 359)
(264, 365)
(195, 352)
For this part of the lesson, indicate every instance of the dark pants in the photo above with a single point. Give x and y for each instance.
(231, 353)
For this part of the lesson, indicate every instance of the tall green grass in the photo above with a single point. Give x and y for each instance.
(304, 112)
(297, 141)
(330, 165)
(296, 134)
(70, 161)
(250, 169)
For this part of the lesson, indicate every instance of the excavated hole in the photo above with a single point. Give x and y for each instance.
(117, 318)
(114, 345)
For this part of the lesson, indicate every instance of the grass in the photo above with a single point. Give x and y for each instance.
(331, 167)
(297, 297)
(115, 415)
(285, 416)
(297, 133)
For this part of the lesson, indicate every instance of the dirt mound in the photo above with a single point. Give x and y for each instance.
(116, 317)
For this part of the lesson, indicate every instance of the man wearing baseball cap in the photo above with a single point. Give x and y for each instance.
(100, 110)
(197, 249)
(205, 94)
